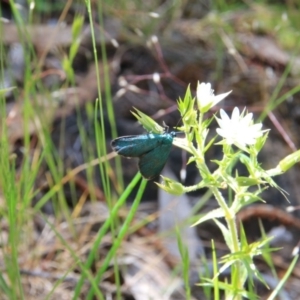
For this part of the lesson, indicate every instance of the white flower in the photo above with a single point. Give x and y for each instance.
(239, 130)
(206, 98)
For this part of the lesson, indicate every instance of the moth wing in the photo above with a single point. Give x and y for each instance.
(134, 145)
(152, 163)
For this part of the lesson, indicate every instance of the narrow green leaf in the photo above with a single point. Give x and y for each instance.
(213, 214)
(149, 124)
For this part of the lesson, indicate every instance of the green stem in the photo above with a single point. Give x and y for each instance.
(118, 240)
(229, 216)
(230, 219)
(103, 230)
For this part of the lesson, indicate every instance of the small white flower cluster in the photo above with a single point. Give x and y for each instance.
(239, 129)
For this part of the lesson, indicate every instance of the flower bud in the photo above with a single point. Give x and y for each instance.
(289, 161)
